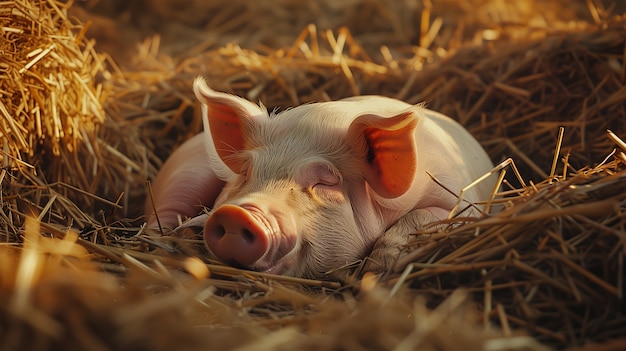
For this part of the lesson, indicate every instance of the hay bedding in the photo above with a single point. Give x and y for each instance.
(80, 136)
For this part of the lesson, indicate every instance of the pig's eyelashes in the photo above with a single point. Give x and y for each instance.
(325, 183)
(322, 174)
(321, 180)
(326, 191)
(328, 182)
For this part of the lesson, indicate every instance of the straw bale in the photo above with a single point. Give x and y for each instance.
(49, 100)
(60, 148)
(550, 265)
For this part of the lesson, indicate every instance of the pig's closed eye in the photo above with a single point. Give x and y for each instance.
(329, 190)
(322, 178)
(324, 181)
(324, 187)
(327, 179)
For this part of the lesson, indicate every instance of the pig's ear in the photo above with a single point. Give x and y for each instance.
(386, 146)
(226, 119)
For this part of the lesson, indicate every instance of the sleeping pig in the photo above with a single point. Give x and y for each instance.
(319, 186)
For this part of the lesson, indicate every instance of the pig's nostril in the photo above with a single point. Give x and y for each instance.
(248, 236)
(218, 232)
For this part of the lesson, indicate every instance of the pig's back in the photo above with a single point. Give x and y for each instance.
(456, 156)
(380, 105)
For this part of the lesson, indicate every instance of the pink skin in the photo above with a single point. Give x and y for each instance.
(319, 186)
(185, 184)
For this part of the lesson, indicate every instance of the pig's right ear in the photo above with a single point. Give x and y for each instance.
(386, 146)
(226, 119)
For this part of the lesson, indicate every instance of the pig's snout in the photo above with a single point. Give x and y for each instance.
(235, 236)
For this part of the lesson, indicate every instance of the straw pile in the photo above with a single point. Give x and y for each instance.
(61, 152)
(550, 265)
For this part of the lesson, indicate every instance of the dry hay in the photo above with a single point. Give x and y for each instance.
(58, 143)
(551, 264)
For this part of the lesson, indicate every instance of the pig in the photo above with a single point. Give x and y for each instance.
(319, 186)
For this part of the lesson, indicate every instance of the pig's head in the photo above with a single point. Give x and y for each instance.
(304, 187)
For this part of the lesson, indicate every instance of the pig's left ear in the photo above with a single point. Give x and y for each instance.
(387, 148)
(226, 118)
